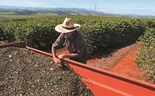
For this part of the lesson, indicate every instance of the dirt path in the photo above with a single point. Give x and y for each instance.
(122, 61)
(128, 67)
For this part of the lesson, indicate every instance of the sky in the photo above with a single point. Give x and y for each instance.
(139, 7)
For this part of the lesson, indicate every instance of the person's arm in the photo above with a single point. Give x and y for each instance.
(57, 45)
(61, 56)
(56, 60)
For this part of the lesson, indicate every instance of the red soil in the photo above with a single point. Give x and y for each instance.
(128, 67)
(121, 62)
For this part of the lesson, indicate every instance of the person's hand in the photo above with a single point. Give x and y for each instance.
(61, 56)
(57, 61)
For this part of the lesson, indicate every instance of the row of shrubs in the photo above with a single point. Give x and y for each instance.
(100, 32)
(104, 35)
(36, 33)
(146, 59)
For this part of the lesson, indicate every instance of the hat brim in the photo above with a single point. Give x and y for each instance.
(59, 28)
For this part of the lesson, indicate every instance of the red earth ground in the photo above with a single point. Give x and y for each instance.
(121, 61)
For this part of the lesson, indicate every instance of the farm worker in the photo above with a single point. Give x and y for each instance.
(72, 40)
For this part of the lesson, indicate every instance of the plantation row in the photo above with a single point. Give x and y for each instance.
(101, 33)
(146, 59)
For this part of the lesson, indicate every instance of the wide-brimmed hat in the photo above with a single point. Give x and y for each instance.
(67, 26)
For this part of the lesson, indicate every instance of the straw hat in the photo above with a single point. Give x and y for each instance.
(67, 26)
